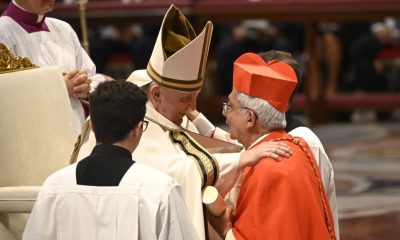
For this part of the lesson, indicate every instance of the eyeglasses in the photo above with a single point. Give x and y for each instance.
(226, 107)
(145, 123)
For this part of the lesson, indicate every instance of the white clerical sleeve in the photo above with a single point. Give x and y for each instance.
(83, 61)
(40, 225)
(86, 63)
(203, 125)
(96, 80)
(174, 218)
(330, 189)
(206, 128)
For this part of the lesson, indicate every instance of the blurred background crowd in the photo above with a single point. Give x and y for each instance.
(343, 57)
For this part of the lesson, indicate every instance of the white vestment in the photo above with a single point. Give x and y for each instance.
(58, 47)
(147, 204)
(325, 166)
(157, 150)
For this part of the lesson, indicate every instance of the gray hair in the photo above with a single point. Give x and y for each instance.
(146, 88)
(267, 115)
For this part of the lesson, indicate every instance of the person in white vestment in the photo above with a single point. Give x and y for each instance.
(28, 32)
(294, 127)
(172, 81)
(107, 195)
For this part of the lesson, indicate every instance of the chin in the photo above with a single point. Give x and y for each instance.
(48, 9)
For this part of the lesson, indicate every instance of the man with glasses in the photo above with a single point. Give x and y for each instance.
(293, 126)
(229, 107)
(277, 200)
(107, 195)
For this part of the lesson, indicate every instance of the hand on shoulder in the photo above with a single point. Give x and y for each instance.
(272, 149)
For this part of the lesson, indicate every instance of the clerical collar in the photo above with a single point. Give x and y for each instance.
(29, 21)
(258, 140)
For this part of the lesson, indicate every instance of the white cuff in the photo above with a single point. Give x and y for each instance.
(96, 80)
(203, 125)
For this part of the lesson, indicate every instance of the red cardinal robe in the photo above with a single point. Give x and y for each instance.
(284, 200)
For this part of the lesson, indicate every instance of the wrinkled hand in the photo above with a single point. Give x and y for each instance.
(223, 223)
(271, 149)
(78, 83)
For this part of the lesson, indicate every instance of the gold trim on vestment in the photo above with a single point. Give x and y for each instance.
(83, 137)
(11, 63)
(206, 164)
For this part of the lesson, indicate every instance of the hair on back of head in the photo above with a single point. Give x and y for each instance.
(116, 107)
(268, 116)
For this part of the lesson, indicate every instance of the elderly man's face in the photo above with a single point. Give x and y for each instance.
(235, 118)
(174, 104)
(37, 6)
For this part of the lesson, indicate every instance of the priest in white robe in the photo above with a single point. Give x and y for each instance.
(46, 41)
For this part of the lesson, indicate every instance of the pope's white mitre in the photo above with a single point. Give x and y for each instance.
(179, 56)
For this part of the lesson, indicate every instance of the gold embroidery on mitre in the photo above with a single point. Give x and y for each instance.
(11, 63)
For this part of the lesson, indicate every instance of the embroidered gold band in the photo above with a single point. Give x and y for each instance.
(83, 137)
(205, 162)
(182, 85)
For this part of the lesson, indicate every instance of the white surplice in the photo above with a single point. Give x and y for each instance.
(147, 204)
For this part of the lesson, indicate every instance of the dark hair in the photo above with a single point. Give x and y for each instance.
(288, 59)
(116, 107)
